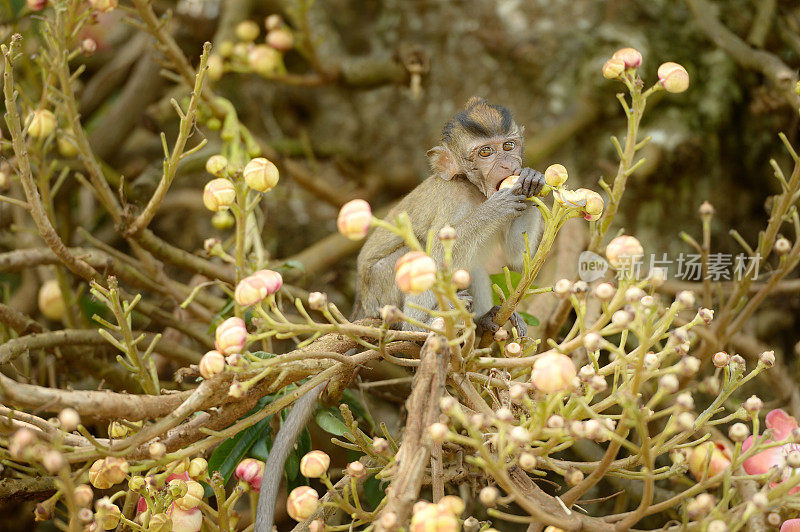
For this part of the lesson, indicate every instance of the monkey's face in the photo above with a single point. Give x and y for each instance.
(493, 160)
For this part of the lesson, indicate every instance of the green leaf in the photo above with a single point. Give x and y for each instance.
(374, 491)
(263, 354)
(330, 421)
(500, 280)
(260, 449)
(292, 466)
(530, 319)
(230, 452)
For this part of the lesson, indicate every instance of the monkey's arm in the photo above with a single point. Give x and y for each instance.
(284, 441)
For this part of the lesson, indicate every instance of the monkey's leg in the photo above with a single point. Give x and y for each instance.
(426, 300)
(284, 441)
(486, 322)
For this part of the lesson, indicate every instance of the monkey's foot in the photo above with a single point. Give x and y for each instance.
(486, 322)
(464, 296)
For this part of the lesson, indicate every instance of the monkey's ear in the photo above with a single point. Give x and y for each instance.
(443, 162)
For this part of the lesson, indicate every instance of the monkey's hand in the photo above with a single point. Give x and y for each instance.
(486, 322)
(506, 204)
(530, 183)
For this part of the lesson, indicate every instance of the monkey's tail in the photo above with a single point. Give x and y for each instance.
(284, 441)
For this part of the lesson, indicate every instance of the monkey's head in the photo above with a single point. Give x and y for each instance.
(481, 143)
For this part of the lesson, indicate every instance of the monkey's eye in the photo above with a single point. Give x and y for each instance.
(486, 151)
(509, 145)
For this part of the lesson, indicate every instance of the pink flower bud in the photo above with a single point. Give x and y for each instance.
(613, 68)
(21, 443)
(264, 60)
(302, 503)
(673, 77)
(185, 520)
(314, 464)
(438, 432)
(712, 453)
(193, 496)
(593, 206)
(163, 523)
(236, 390)
(53, 461)
(88, 47)
(69, 419)
(451, 504)
(555, 175)
(83, 495)
(51, 302)
(553, 372)
(212, 363)
(489, 496)
(106, 472)
(219, 194)
(216, 165)
(273, 22)
(41, 123)
(261, 174)
(230, 336)
(247, 31)
(415, 272)
(630, 56)
(107, 514)
(513, 349)
(254, 288)
(250, 471)
(461, 279)
(36, 5)
(281, 39)
(623, 250)
(197, 466)
(317, 300)
(356, 470)
(103, 6)
(157, 450)
(354, 219)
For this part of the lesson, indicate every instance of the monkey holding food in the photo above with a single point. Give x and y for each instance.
(481, 146)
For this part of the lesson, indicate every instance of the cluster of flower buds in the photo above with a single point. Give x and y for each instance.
(265, 59)
(672, 77)
(440, 517)
(250, 471)
(587, 202)
(256, 287)
(415, 272)
(354, 219)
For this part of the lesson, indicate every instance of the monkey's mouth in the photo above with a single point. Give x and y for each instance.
(500, 181)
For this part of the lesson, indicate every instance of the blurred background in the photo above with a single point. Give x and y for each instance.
(355, 118)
